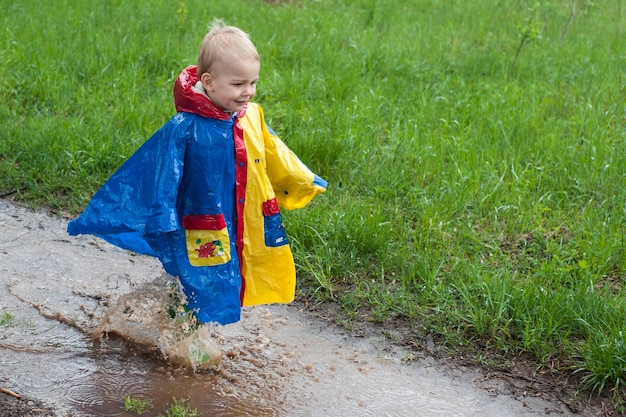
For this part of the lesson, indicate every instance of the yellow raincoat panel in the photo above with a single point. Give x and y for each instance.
(275, 176)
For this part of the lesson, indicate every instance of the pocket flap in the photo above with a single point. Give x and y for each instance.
(204, 222)
(270, 207)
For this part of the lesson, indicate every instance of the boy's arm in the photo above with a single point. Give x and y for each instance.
(294, 183)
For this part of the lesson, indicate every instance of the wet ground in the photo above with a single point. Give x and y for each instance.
(56, 290)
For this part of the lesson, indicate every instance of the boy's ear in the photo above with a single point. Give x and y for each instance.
(207, 81)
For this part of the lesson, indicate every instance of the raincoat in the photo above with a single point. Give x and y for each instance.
(203, 195)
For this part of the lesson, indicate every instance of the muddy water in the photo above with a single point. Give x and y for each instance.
(55, 291)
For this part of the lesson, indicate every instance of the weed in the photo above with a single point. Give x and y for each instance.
(180, 408)
(181, 14)
(6, 319)
(579, 7)
(27, 324)
(529, 31)
(136, 405)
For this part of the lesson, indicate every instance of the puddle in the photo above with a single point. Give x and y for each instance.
(56, 290)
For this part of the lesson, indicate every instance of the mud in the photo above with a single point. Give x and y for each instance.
(57, 291)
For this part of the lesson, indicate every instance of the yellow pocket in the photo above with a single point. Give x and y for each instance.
(207, 239)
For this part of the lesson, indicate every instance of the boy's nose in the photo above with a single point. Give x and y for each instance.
(249, 91)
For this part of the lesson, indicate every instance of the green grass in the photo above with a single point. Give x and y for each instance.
(475, 150)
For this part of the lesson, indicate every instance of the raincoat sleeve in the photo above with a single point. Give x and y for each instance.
(137, 204)
(293, 182)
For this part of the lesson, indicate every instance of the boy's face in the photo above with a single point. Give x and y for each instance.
(231, 85)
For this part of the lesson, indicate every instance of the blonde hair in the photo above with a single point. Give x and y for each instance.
(224, 42)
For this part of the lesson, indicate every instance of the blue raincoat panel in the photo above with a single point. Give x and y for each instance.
(139, 209)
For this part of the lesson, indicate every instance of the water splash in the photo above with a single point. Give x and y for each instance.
(152, 316)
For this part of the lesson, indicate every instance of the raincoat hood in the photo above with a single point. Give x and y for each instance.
(189, 97)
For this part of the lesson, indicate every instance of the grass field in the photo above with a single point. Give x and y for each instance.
(475, 151)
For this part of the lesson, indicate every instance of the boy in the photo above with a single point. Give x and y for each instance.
(203, 193)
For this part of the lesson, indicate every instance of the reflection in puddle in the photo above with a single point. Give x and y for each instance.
(55, 291)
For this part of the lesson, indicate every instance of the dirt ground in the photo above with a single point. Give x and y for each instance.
(542, 391)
